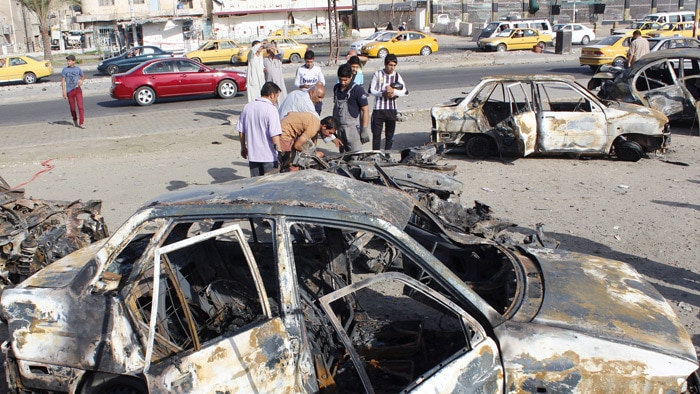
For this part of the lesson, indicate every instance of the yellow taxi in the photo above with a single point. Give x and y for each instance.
(673, 29)
(512, 39)
(293, 51)
(610, 50)
(293, 30)
(644, 27)
(24, 68)
(218, 51)
(401, 43)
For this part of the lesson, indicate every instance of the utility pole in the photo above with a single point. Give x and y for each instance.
(334, 32)
(14, 29)
(133, 24)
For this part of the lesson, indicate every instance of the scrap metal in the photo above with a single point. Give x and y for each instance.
(34, 232)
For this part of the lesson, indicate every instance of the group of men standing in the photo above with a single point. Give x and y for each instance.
(273, 131)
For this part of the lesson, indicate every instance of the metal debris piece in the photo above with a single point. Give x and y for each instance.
(34, 233)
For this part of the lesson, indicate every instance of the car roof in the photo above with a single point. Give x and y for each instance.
(530, 78)
(337, 195)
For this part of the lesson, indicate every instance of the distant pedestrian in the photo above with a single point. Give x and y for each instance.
(402, 27)
(72, 79)
(259, 131)
(256, 70)
(638, 48)
(308, 75)
(386, 86)
(273, 69)
(389, 26)
(303, 101)
(351, 109)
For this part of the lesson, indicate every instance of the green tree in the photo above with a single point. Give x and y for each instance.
(41, 9)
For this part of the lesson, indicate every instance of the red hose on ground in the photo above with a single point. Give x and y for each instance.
(47, 167)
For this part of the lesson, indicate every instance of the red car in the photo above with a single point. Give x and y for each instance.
(173, 77)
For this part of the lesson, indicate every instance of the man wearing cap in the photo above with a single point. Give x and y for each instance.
(72, 79)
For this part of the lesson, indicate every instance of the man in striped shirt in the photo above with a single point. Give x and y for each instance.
(386, 86)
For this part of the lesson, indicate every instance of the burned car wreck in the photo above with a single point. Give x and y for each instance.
(259, 285)
(667, 81)
(34, 233)
(525, 115)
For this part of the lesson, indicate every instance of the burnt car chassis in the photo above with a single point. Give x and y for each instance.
(377, 279)
(34, 232)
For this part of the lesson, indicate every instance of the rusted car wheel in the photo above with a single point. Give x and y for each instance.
(479, 147)
(629, 151)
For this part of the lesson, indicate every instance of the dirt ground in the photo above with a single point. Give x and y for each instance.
(645, 213)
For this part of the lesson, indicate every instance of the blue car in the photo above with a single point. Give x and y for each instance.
(131, 58)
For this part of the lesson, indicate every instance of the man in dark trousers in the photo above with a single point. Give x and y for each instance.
(386, 86)
(351, 109)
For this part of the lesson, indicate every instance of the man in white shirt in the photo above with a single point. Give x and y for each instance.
(309, 74)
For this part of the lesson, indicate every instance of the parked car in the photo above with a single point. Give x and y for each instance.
(219, 51)
(674, 29)
(667, 81)
(293, 51)
(357, 45)
(644, 27)
(611, 50)
(293, 30)
(174, 77)
(260, 285)
(661, 43)
(401, 43)
(580, 34)
(524, 115)
(513, 39)
(130, 58)
(24, 68)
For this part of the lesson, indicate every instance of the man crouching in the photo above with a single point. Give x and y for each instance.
(300, 131)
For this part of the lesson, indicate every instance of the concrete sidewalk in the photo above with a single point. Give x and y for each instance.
(157, 122)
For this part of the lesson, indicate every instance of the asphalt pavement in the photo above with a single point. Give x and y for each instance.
(149, 121)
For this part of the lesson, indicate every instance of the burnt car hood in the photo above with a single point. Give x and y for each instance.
(610, 300)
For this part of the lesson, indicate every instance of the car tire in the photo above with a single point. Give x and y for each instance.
(227, 89)
(628, 151)
(542, 44)
(619, 62)
(585, 40)
(198, 60)
(426, 51)
(29, 78)
(501, 48)
(234, 59)
(112, 69)
(479, 147)
(294, 58)
(382, 53)
(144, 96)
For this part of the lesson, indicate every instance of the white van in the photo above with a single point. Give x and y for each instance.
(494, 28)
(666, 17)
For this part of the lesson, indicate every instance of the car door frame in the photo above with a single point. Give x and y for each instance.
(482, 358)
(179, 373)
(560, 131)
(657, 97)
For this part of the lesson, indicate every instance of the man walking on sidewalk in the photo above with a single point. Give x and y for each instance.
(72, 79)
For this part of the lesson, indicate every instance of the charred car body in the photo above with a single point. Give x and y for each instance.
(255, 286)
(667, 81)
(34, 233)
(543, 114)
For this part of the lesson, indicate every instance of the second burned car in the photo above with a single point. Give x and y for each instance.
(523, 115)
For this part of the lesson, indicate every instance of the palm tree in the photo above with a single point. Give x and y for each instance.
(41, 9)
